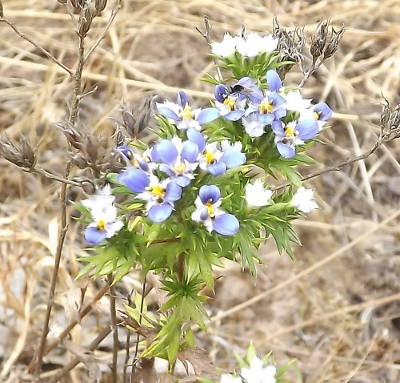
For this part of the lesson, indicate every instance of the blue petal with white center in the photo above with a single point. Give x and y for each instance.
(323, 111)
(94, 236)
(136, 180)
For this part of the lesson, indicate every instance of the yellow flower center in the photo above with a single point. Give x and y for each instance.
(290, 132)
(186, 113)
(266, 107)
(210, 208)
(101, 225)
(316, 115)
(209, 158)
(230, 103)
(180, 169)
(158, 191)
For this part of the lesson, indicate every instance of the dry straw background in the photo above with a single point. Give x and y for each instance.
(335, 308)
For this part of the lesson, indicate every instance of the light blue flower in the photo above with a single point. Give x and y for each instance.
(183, 116)
(133, 159)
(216, 161)
(159, 195)
(178, 159)
(294, 133)
(208, 211)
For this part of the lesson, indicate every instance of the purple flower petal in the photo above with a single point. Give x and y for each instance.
(135, 179)
(190, 151)
(217, 169)
(182, 99)
(273, 80)
(209, 193)
(234, 115)
(159, 213)
(285, 151)
(207, 115)
(195, 136)
(323, 110)
(233, 159)
(277, 128)
(182, 181)
(220, 92)
(307, 129)
(94, 236)
(226, 224)
(173, 192)
(166, 151)
(266, 119)
(169, 113)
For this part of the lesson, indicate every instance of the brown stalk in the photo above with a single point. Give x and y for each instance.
(114, 328)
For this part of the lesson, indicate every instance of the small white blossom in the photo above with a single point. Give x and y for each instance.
(256, 194)
(303, 199)
(226, 47)
(257, 373)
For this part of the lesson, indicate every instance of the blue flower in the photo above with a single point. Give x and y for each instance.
(105, 223)
(271, 107)
(294, 133)
(183, 116)
(208, 211)
(178, 159)
(216, 161)
(133, 159)
(232, 101)
(159, 195)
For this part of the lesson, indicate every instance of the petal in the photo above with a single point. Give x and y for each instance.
(167, 112)
(209, 192)
(266, 119)
(182, 99)
(159, 213)
(135, 179)
(234, 115)
(195, 136)
(182, 181)
(220, 92)
(279, 113)
(285, 151)
(273, 80)
(277, 99)
(166, 151)
(307, 129)
(190, 151)
(94, 236)
(233, 159)
(217, 169)
(277, 128)
(166, 169)
(207, 115)
(323, 110)
(226, 224)
(173, 192)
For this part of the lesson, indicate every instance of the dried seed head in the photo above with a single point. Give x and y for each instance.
(390, 122)
(79, 161)
(72, 134)
(135, 121)
(319, 39)
(333, 43)
(99, 6)
(85, 20)
(27, 152)
(385, 115)
(113, 162)
(62, 1)
(24, 158)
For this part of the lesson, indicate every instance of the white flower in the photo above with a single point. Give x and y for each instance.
(253, 127)
(226, 47)
(253, 44)
(104, 216)
(303, 199)
(296, 102)
(257, 373)
(257, 195)
(229, 379)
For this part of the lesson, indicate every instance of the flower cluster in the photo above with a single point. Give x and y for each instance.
(292, 119)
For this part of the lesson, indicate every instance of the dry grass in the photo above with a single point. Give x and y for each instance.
(333, 308)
